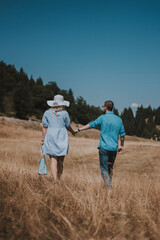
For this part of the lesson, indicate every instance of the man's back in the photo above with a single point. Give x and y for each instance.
(111, 128)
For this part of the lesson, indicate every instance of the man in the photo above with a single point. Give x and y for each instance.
(111, 127)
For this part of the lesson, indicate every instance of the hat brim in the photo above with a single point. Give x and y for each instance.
(52, 103)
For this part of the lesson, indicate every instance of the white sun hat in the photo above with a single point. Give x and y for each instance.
(58, 101)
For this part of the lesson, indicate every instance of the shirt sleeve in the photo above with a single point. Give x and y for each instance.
(96, 122)
(122, 131)
(45, 120)
(67, 120)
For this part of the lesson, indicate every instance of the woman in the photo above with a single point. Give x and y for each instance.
(55, 141)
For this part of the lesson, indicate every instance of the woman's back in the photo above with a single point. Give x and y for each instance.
(52, 119)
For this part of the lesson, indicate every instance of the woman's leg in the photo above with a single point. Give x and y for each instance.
(60, 160)
(54, 167)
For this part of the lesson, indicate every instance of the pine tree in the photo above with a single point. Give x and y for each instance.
(116, 111)
(157, 116)
(128, 121)
(150, 129)
(139, 123)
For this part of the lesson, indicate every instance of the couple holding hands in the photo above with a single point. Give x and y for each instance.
(55, 142)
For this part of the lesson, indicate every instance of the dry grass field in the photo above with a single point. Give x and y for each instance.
(77, 207)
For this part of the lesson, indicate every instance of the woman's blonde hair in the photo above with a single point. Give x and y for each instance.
(58, 108)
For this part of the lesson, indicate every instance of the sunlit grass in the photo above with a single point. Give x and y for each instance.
(78, 207)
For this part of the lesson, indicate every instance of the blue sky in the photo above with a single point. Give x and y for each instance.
(101, 49)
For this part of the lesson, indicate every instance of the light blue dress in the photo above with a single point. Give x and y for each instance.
(56, 142)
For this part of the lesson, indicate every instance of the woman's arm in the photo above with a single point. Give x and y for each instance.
(44, 130)
(71, 130)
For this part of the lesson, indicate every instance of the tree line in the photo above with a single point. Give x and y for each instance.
(24, 97)
(146, 122)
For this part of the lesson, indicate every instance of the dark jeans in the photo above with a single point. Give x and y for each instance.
(106, 159)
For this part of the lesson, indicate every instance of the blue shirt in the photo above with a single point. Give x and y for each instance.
(56, 140)
(111, 127)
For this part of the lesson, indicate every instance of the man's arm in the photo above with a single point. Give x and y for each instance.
(82, 128)
(91, 124)
(120, 148)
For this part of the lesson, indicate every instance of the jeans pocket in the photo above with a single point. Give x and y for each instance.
(102, 151)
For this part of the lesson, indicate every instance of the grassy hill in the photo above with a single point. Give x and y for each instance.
(78, 207)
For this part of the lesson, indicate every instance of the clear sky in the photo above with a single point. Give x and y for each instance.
(102, 49)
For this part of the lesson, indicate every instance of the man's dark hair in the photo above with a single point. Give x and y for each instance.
(109, 105)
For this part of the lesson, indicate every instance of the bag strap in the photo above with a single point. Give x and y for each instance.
(42, 153)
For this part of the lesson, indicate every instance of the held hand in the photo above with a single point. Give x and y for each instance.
(120, 149)
(74, 132)
(71, 130)
(77, 130)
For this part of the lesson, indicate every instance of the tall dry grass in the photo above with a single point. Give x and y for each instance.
(78, 207)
